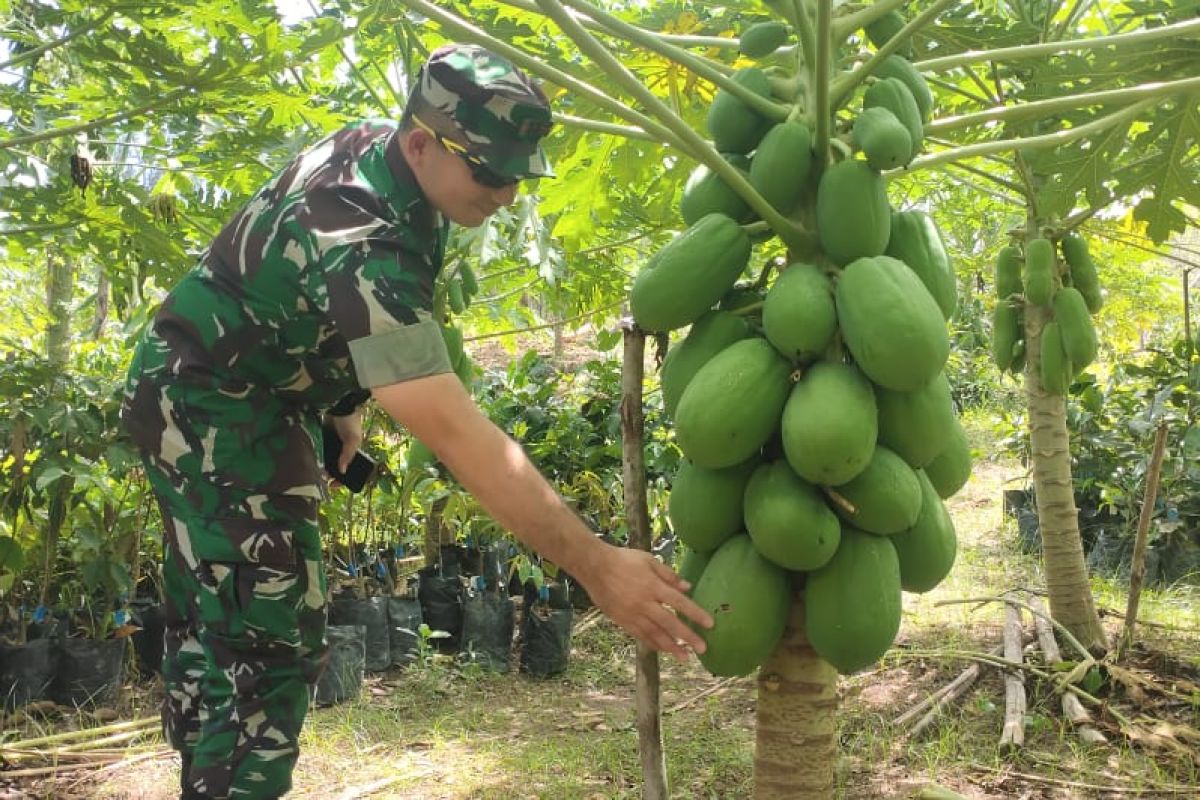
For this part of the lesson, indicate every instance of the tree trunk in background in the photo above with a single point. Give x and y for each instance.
(60, 285)
(796, 748)
(1071, 601)
(633, 460)
(101, 309)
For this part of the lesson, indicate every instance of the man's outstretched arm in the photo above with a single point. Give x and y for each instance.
(633, 588)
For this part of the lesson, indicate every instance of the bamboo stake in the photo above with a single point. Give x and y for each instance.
(1012, 737)
(633, 430)
(1137, 571)
(1072, 708)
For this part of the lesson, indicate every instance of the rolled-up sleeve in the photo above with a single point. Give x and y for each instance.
(410, 351)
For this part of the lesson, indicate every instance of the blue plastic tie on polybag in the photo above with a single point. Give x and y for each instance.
(380, 570)
(398, 550)
(351, 570)
(480, 583)
(544, 594)
(39, 614)
(120, 617)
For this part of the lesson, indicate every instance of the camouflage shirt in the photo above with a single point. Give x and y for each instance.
(321, 285)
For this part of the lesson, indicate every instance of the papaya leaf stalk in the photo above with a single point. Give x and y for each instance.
(847, 24)
(845, 84)
(1040, 108)
(787, 230)
(764, 105)
(1179, 30)
(1030, 142)
(681, 39)
(822, 108)
(603, 127)
(84, 127)
(40, 50)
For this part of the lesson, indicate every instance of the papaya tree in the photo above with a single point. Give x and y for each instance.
(872, 115)
(1123, 100)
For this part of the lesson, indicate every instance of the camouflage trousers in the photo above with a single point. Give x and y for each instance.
(245, 614)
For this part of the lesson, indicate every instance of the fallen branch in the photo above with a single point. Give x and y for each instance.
(367, 789)
(933, 705)
(590, 619)
(714, 689)
(1110, 788)
(38, 772)
(124, 763)
(1046, 675)
(83, 733)
(1058, 626)
(1072, 707)
(935, 792)
(1105, 611)
(1012, 736)
(115, 738)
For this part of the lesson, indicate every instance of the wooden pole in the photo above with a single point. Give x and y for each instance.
(1137, 570)
(1013, 736)
(633, 427)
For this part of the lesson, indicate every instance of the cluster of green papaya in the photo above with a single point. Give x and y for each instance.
(1068, 341)
(815, 417)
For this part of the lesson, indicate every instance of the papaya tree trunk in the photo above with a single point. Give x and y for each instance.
(796, 748)
(1071, 601)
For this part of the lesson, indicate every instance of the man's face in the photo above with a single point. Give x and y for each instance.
(447, 182)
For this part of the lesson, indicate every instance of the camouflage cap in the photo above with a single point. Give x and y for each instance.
(480, 100)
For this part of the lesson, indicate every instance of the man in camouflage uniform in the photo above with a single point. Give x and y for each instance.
(314, 297)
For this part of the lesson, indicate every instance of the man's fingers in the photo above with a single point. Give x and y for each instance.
(346, 457)
(670, 576)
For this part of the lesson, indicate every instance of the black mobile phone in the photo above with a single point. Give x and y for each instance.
(361, 466)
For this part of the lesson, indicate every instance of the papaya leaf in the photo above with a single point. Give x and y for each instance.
(12, 559)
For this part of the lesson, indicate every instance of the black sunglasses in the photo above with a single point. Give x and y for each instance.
(480, 172)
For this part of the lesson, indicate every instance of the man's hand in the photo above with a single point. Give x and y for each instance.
(349, 430)
(638, 592)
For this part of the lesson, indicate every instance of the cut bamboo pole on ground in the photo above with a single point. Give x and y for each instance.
(82, 733)
(1072, 707)
(633, 427)
(933, 705)
(1137, 568)
(1012, 737)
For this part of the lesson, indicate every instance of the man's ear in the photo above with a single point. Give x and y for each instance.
(415, 144)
